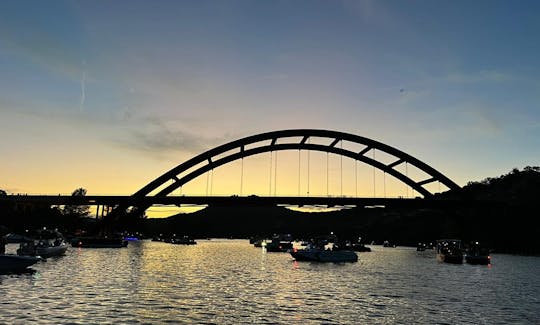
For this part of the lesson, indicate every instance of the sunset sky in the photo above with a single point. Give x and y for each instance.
(108, 95)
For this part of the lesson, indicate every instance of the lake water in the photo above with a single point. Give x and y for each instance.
(232, 282)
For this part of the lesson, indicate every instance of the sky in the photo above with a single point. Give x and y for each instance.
(108, 95)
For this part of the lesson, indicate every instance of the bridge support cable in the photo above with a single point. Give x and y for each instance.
(341, 170)
(270, 177)
(299, 177)
(275, 174)
(212, 182)
(406, 175)
(308, 159)
(214, 158)
(327, 170)
(242, 175)
(374, 189)
(356, 178)
(384, 184)
(207, 181)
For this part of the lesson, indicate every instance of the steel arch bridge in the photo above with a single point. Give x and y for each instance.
(281, 140)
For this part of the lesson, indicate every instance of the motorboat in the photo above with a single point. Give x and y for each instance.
(319, 254)
(279, 243)
(476, 254)
(43, 248)
(185, 240)
(357, 246)
(13, 263)
(449, 251)
(44, 243)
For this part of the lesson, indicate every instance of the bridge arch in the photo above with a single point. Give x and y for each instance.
(235, 150)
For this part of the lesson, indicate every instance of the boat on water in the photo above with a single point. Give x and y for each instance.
(185, 240)
(313, 253)
(476, 254)
(357, 246)
(42, 248)
(279, 243)
(14, 263)
(44, 243)
(449, 251)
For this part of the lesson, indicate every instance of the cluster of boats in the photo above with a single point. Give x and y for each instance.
(321, 249)
(41, 244)
(452, 251)
(34, 247)
(178, 240)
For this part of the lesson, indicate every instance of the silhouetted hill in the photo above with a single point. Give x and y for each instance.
(520, 186)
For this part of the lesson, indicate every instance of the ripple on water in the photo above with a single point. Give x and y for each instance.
(231, 282)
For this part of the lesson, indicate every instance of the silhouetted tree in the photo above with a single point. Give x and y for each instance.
(3, 193)
(77, 210)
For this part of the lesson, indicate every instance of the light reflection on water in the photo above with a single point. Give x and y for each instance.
(231, 282)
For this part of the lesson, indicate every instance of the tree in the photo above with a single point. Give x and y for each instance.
(3, 193)
(77, 210)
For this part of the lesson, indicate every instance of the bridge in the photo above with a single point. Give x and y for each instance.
(251, 200)
(361, 149)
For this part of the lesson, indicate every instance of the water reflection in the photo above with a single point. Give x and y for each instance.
(230, 282)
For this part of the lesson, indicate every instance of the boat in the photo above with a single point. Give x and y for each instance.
(476, 254)
(449, 251)
(14, 263)
(99, 242)
(313, 253)
(43, 243)
(185, 240)
(357, 246)
(277, 245)
(42, 248)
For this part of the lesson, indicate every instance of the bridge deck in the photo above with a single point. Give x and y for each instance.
(252, 200)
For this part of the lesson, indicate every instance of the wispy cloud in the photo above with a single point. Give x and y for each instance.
(156, 136)
(83, 91)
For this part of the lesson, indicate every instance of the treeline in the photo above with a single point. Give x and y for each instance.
(21, 217)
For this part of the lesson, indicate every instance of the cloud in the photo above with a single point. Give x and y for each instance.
(156, 136)
(83, 91)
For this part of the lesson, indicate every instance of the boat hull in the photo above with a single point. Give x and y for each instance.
(16, 263)
(452, 259)
(51, 251)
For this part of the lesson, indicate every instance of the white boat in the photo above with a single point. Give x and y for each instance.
(51, 248)
(16, 263)
(43, 247)
(314, 254)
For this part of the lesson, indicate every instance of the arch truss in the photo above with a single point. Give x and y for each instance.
(296, 139)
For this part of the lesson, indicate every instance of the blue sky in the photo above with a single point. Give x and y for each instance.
(110, 94)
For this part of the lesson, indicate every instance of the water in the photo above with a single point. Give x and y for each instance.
(231, 282)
